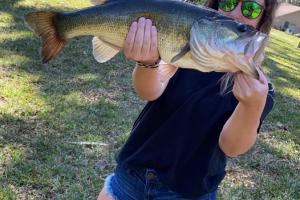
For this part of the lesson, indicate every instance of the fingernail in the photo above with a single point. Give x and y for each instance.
(148, 21)
(142, 19)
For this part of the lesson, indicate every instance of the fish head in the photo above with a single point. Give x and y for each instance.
(226, 45)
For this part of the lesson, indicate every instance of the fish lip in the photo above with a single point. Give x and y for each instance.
(256, 46)
(260, 49)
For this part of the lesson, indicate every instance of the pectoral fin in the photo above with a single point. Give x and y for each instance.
(184, 51)
(103, 51)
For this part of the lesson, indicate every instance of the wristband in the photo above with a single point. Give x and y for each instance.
(154, 65)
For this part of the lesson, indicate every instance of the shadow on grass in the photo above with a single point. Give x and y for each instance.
(287, 83)
(86, 102)
(269, 170)
(45, 164)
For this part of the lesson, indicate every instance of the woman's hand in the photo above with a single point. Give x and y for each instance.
(240, 131)
(250, 92)
(141, 42)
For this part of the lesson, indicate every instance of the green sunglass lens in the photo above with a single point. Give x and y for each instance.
(251, 9)
(228, 5)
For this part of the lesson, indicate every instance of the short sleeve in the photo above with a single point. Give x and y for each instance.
(268, 106)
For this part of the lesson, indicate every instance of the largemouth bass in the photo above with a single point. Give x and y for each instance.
(189, 36)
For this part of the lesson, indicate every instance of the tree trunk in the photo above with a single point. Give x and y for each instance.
(299, 45)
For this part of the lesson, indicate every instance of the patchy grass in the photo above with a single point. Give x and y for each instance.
(271, 169)
(46, 111)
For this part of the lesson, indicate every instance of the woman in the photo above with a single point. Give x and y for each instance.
(179, 142)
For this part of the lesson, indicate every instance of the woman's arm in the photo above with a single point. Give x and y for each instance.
(141, 45)
(149, 84)
(240, 131)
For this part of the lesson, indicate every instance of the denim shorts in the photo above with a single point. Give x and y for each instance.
(142, 184)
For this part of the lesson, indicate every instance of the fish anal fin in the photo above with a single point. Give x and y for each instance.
(104, 51)
(166, 70)
(183, 51)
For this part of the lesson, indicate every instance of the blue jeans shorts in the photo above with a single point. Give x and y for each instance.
(142, 184)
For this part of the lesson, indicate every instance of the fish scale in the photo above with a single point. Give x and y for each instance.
(186, 33)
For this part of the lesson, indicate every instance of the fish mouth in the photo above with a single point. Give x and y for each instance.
(254, 52)
(255, 47)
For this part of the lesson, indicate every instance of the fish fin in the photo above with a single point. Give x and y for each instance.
(184, 51)
(99, 2)
(104, 51)
(42, 24)
(166, 71)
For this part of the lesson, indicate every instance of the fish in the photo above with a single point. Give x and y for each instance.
(189, 36)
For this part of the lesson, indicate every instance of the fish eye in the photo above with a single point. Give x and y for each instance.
(242, 28)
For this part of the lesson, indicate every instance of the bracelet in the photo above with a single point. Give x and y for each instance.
(154, 65)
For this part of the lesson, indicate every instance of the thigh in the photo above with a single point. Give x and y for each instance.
(122, 185)
(104, 196)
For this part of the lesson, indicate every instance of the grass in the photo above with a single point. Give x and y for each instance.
(47, 110)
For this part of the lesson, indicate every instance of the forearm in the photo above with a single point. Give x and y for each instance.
(149, 84)
(240, 131)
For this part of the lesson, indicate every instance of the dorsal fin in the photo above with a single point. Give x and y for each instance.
(98, 2)
(101, 2)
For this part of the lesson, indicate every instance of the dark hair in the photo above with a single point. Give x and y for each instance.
(265, 26)
(267, 19)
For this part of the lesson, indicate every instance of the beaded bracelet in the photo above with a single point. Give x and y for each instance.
(154, 65)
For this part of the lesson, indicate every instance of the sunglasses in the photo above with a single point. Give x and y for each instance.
(250, 9)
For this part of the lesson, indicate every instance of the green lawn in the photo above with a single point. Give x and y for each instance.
(47, 110)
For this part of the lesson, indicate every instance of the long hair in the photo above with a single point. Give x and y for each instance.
(265, 26)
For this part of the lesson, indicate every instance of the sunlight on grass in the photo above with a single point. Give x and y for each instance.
(74, 4)
(5, 18)
(21, 96)
(287, 65)
(11, 58)
(287, 39)
(7, 193)
(14, 35)
(87, 77)
(284, 71)
(9, 153)
(286, 148)
(293, 92)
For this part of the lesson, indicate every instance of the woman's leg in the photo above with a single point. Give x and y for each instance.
(103, 195)
(122, 185)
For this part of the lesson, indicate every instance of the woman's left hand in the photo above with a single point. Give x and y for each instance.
(250, 92)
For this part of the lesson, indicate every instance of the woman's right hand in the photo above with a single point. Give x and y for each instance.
(141, 42)
(141, 45)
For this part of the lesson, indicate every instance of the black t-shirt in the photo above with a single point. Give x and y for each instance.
(177, 134)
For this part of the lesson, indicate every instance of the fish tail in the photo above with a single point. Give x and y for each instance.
(42, 24)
